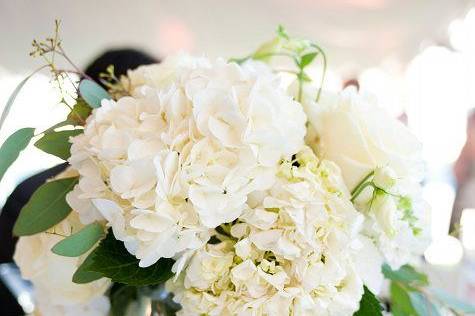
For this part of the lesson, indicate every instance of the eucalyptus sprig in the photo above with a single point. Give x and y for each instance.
(78, 101)
(302, 52)
(410, 294)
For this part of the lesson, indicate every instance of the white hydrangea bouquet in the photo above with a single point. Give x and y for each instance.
(208, 187)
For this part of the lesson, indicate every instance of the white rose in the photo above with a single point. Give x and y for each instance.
(51, 274)
(359, 136)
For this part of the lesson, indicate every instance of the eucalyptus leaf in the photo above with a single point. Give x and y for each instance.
(80, 112)
(80, 242)
(452, 302)
(57, 143)
(92, 93)
(422, 305)
(401, 304)
(83, 275)
(46, 207)
(406, 274)
(369, 305)
(12, 147)
(112, 260)
(11, 99)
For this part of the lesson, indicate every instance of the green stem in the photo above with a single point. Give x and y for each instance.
(324, 70)
(360, 189)
(369, 175)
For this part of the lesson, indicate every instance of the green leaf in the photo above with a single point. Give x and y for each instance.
(369, 305)
(401, 304)
(11, 148)
(80, 112)
(83, 275)
(452, 302)
(113, 261)
(281, 32)
(80, 242)
(16, 91)
(46, 207)
(92, 93)
(307, 59)
(422, 305)
(11, 99)
(121, 296)
(406, 274)
(57, 143)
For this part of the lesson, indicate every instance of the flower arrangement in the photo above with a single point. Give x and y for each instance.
(226, 192)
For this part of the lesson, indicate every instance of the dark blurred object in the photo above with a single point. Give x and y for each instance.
(123, 60)
(464, 171)
(351, 82)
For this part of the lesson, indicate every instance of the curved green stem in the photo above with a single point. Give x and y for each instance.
(324, 70)
(369, 175)
(360, 189)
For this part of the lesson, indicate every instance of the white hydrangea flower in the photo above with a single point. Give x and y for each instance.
(351, 130)
(51, 274)
(293, 251)
(181, 156)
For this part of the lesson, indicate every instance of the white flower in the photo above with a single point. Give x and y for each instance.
(356, 134)
(208, 266)
(183, 153)
(352, 131)
(297, 249)
(51, 274)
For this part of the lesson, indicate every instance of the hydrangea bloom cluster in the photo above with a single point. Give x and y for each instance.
(268, 206)
(181, 156)
(292, 252)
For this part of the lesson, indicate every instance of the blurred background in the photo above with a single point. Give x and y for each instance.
(417, 57)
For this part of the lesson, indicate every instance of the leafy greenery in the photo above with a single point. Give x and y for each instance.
(112, 260)
(80, 242)
(401, 304)
(46, 208)
(83, 275)
(410, 295)
(406, 275)
(301, 52)
(11, 148)
(13, 96)
(452, 302)
(57, 143)
(369, 305)
(92, 93)
(422, 304)
(80, 112)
